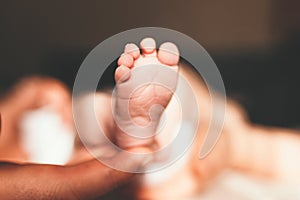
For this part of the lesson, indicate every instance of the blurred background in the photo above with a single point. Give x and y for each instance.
(254, 43)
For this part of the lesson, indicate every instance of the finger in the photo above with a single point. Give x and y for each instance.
(93, 179)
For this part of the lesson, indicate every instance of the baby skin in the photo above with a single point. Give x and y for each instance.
(145, 83)
(145, 80)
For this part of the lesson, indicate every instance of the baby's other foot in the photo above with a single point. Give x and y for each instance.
(145, 83)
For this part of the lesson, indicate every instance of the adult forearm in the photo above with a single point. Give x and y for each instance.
(31, 182)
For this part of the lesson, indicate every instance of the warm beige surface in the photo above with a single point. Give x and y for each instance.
(234, 185)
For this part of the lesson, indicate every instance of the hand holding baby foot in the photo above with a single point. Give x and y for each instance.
(145, 84)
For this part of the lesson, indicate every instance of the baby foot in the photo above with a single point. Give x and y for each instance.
(145, 84)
